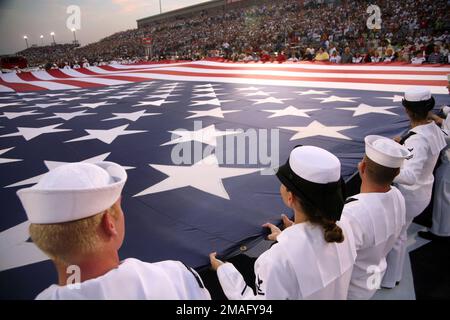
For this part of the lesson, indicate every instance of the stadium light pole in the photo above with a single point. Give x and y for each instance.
(53, 37)
(42, 39)
(160, 7)
(74, 35)
(26, 40)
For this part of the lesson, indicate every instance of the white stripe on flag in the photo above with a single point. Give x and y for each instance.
(75, 75)
(5, 89)
(148, 66)
(99, 70)
(43, 75)
(92, 79)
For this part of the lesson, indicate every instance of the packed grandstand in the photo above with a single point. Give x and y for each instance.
(413, 31)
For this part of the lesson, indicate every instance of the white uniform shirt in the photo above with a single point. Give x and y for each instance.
(136, 280)
(415, 180)
(441, 204)
(335, 59)
(375, 59)
(377, 220)
(446, 124)
(418, 60)
(302, 265)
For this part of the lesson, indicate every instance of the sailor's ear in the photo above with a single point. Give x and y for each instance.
(109, 224)
(362, 166)
(290, 199)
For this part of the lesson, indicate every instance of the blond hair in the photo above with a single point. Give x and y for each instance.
(60, 241)
(380, 174)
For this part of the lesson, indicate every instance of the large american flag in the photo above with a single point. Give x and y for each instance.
(374, 77)
(132, 115)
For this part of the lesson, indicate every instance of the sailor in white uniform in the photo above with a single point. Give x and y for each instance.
(440, 229)
(377, 214)
(441, 202)
(425, 141)
(313, 258)
(77, 220)
(446, 111)
(442, 120)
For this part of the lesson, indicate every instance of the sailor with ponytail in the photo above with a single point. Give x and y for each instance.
(314, 255)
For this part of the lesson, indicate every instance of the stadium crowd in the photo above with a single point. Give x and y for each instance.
(415, 31)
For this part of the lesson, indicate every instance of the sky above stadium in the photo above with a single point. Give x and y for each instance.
(99, 18)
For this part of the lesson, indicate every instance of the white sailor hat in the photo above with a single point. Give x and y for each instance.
(314, 175)
(385, 152)
(73, 191)
(415, 94)
(418, 98)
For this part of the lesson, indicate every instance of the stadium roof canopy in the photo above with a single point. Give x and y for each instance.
(192, 10)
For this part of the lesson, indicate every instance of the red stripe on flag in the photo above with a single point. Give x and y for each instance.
(27, 76)
(393, 64)
(439, 83)
(80, 84)
(87, 72)
(331, 70)
(58, 74)
(21, 87)
(124, 78)
(109, 68)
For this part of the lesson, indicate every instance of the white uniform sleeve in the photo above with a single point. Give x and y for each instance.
(414, 166)
(272, 281)
(233, 284)
(446, 124)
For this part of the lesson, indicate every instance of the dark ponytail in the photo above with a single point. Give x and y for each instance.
(333, 233)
